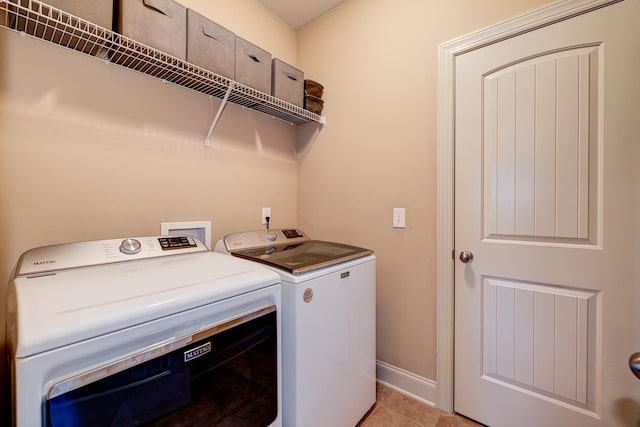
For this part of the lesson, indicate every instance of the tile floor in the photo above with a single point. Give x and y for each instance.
(394, 409)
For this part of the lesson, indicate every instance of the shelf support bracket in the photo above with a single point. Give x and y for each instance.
(207, 140)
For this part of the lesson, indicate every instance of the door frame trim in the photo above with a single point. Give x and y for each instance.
(447, 53)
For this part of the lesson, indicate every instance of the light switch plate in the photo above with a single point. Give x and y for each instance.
(398, 218)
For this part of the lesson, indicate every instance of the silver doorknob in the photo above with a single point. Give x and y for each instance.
(466, 256)
(634, 364)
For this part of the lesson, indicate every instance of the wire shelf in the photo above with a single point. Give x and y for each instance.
(39, 20)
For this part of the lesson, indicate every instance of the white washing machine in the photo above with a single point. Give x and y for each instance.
(147, 330)
(328, 323)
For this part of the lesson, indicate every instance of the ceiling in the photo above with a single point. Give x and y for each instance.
(299, 12)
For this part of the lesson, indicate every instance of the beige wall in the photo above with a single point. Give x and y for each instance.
(88, 151)
(378, 61)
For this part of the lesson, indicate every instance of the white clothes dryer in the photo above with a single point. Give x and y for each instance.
(146, 330)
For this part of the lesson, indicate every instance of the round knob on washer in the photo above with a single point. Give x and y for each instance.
(130, 246)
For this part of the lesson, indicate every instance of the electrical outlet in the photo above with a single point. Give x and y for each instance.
(398, 217)
(266, 212)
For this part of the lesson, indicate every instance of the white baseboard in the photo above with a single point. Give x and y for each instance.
(405, 382)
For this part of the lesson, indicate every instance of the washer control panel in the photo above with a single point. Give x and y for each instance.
(263, 238)
(291, 233)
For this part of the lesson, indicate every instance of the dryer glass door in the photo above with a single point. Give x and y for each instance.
(226, 374)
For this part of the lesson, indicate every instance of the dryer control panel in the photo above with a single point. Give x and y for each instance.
(49, 259)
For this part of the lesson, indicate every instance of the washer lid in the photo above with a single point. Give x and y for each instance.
(291, 250)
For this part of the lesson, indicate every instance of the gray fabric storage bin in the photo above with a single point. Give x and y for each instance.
(99, 12)
(253, 66)
(287, 83)
(161, 24)
(210, 45)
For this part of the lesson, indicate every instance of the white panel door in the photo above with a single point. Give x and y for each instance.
(547, 199)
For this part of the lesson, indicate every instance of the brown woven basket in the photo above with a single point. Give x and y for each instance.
(313, 104)
(313, 88)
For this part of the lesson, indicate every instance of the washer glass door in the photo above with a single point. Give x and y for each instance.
(303, 257)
